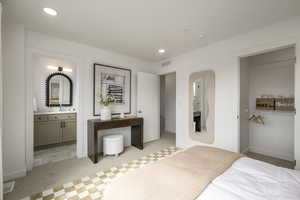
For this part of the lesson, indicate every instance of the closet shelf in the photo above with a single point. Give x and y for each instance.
(276, 104)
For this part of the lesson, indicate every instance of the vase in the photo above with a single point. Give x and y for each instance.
(105, 113)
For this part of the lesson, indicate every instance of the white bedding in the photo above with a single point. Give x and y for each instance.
(250, 179)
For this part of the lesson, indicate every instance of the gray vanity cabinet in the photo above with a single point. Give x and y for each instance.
(48, 132)
(69, 128)
(54, 129)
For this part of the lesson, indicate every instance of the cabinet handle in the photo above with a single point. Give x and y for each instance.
(62, 124)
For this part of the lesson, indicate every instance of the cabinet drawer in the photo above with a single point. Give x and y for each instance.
(41, 118)
(68, 116)
(53, 117)
(62, 117)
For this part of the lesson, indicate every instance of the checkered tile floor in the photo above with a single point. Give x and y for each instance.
(91, 188)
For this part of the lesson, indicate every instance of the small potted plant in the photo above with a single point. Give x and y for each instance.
(105, 101)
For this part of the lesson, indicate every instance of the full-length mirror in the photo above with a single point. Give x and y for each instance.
(202, 104)
(59, 90)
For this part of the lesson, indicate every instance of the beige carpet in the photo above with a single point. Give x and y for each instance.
(54, 174)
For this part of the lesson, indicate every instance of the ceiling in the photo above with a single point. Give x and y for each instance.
(140, 27)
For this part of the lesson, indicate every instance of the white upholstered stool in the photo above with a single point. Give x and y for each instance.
(113, 144)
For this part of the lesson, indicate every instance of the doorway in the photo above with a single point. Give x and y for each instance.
(54, 106)
(267, 106)
(168, 104)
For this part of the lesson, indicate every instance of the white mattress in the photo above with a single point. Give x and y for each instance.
(250, 179)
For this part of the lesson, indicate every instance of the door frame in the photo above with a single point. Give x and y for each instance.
(29, 143)
(265, 49)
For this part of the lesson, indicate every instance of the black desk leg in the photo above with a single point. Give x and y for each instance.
(96, 148)
(137, 136)
(92, 144)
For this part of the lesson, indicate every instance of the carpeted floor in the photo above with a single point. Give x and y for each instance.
(59, 173)
(56, 174)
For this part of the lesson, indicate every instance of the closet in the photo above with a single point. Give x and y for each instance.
(267, 103)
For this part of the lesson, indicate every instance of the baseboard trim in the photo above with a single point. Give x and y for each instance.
(171, 132)
(151, 139)
(14, 175)
(245, 151)
(272, 154)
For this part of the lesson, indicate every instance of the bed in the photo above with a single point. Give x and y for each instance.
(249, 179)
(205, 173)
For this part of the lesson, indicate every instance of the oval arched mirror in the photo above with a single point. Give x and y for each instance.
(59, 89)
(202, 106)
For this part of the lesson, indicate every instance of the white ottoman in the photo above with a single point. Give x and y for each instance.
(113, 145)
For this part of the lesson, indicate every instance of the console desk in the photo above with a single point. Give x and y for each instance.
(95, 125)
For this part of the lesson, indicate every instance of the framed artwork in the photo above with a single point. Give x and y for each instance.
(115, 81)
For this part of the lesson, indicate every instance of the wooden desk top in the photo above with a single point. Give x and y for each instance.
(114, 119)
(115, 123)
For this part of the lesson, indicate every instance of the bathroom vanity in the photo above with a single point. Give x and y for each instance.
(54, 128)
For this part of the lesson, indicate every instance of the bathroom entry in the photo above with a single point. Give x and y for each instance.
(267, 105)
(54, 106)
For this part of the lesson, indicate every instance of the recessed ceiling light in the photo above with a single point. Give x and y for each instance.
(50, 11)
(161, 51)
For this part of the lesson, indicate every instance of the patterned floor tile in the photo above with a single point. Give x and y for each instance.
(91, 188)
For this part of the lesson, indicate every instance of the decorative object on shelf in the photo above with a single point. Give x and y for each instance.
(34, 104)
(276, 104)
(265, 104)
(114, 81)
(285, 104)
(122, 115)
(257, 119)
(105, 101)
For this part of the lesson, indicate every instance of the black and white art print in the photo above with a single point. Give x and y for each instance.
(115, 81)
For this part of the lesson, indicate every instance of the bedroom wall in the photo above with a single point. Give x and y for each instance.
(272, 74)
(223, 58)
(13, 101)
(1, 108)
(244, 105)
(18, 73)
(84, 57)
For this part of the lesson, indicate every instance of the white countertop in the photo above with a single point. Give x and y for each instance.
(54, 112)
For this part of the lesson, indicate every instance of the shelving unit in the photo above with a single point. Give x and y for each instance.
(276, 104)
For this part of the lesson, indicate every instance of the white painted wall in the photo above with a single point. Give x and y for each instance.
(272, 74)
(1, 108)
(223, 58)
(41, 73)
(13, 102)
(244, 106)
(82, 57)
(170, 102)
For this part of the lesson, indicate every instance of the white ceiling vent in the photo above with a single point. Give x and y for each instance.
(166, 63)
